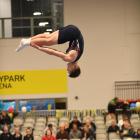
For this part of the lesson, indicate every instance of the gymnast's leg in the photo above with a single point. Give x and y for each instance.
(45, 39)
(40, 40)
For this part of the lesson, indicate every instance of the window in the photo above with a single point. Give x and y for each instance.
(31, 17)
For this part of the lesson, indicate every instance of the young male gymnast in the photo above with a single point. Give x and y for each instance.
(70, 34)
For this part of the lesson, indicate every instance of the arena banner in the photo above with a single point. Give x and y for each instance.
(33, 82)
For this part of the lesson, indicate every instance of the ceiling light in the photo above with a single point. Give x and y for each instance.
(49, 30)
(43, 24)
(37, 13)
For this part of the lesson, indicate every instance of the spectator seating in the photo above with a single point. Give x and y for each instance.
(39, 122)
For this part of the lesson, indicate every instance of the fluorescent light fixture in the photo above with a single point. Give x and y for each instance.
(49, 30)
(43, 24)
(37, 13)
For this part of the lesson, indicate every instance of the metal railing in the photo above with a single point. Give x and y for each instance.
(63, 113)
(127, 89)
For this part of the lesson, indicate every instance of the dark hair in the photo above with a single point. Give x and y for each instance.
(75, 73)
(50, 125)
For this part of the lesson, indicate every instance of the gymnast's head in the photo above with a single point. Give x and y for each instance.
(73, 69)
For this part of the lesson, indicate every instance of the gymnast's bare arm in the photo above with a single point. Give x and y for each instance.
(68, 57)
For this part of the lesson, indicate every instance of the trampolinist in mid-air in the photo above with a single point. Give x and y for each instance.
(70, 34)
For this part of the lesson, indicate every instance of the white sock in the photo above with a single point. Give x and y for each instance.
(23, 44)
(26, 42)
